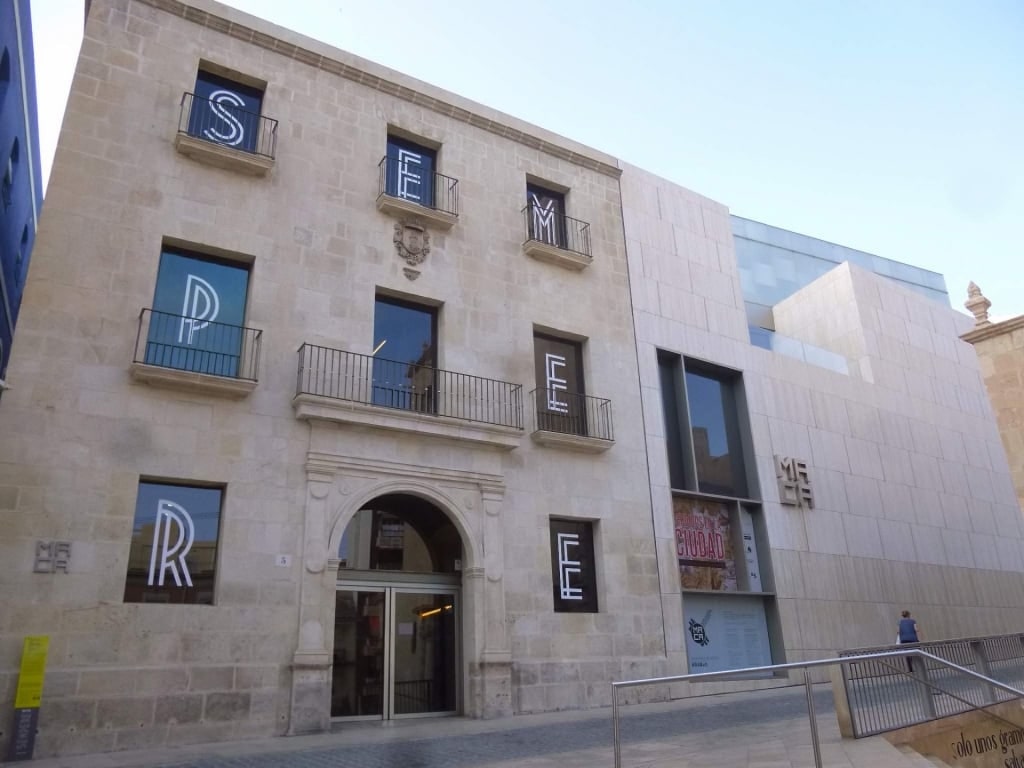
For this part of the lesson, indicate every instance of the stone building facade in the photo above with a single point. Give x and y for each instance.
(340, 396)
(1000, 348)
(115, 398)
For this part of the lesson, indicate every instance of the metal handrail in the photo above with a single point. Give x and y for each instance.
(440, 192)
(805, 666)
(933, 687)
(407, 386)
(250, 132)
(875, 709)
(572, 413)
(197, 345)
(556, 229)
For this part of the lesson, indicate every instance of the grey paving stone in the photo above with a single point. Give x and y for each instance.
(463, 751)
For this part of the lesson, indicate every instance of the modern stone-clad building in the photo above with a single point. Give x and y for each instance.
(338, 396)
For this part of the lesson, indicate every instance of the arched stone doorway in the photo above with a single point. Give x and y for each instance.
(397, 619)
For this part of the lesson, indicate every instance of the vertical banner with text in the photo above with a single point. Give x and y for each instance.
(28, 697)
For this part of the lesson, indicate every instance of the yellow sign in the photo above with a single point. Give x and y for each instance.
(33, 669)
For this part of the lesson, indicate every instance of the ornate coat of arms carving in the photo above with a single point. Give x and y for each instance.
(412, 241)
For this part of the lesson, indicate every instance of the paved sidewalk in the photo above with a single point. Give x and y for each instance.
(762, 729)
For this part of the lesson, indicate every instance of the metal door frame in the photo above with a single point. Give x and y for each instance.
(389, 588)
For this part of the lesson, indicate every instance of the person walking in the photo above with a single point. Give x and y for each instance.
(908, 633)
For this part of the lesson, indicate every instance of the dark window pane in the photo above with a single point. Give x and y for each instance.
(715, 432)
(573, 568)
(399, 532)
(680, 457)
(547, 215)
(198, 314)
(225, 112)
(173, 556)
(410, 171)
(405, 356)
(560, 388)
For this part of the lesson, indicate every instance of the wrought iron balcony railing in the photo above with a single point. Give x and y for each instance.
(406, 386)
(221, 122)
(569, 413)
(197, 346)
(546, 226)
(408, 182)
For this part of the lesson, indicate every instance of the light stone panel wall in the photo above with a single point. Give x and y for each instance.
(914, 507)
(79, 432)
(1000, 348)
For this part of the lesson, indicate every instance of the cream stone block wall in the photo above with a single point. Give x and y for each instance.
(914, 507)
(80, 432)
(1000, 348)
(839, 329)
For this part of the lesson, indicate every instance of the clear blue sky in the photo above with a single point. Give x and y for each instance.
(892, 126)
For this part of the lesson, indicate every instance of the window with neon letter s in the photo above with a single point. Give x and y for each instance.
(225, 112)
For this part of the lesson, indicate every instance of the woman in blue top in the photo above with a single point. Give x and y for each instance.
(908, 633)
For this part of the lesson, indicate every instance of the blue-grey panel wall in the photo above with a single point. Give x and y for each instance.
(18, 123)
(775, 263)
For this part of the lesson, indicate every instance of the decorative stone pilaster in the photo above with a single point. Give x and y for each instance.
(311, 663)
(495, 664)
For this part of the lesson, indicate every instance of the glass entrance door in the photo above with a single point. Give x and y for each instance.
(423, 641)
(395, 652)
(357, 687)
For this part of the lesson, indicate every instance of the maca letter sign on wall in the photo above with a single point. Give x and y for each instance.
(794, 482)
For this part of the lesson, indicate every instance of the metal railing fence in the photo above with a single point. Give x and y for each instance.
(433, 190)
(547, 226)
(897, 656)
(884, 696)
(223, 123)
(571, 413)
(371, 380)
(196, 345)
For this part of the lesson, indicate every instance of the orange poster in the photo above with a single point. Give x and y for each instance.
(704, 545)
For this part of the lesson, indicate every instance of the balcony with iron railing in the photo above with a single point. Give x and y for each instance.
(555, 238)
(404, 189)
(346, 387)
(571, 420)
(191, 353)
(221, 134)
